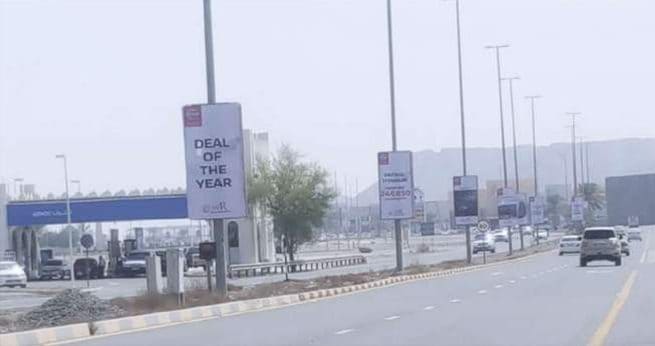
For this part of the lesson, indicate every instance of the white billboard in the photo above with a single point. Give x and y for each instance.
(396, 185)
(538, 210)
(512, 209)
(577, 209)
(465, 198)
(213, 141)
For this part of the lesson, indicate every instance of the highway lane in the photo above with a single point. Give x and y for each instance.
(543, 300)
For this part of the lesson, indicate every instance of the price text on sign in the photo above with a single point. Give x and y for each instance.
(213, 139)
(396, 185)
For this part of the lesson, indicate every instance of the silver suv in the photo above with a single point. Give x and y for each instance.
(600, 243)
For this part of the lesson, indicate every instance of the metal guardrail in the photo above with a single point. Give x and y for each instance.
(297, 266)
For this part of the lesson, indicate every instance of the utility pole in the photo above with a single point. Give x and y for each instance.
(68, 217)
(217, 224)
(534, 144)
(586, 149)
(394, 144)
(497, 48)
(582, 159)
(575, 174)
(461, 117)
(516, 160)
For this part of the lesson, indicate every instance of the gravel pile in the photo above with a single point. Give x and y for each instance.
(70, 306)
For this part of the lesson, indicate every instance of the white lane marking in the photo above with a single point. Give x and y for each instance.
(111, 283)
(391, 318)
(645, 254)
(455, 301)
(429, 307)
(605, 271)
(496, 273)
(498, 286)
(523, 277)
(534, 275)
(482, 292)
(343, 331)
(512, 281)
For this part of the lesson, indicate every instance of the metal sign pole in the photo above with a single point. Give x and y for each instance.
(221, 267)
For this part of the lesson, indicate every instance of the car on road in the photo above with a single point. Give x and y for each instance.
(12, 275)
(86, 268)
(541, 234)
(634, 233)
(484, 242)
(501, 235)
(600, 243)
(193, 259)
(135, 263)
(569, 244)
(55, 269)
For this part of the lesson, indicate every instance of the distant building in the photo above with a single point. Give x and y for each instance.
(630, 195)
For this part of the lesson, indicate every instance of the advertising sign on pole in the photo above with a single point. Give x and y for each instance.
(465, 196)
(396, 185)
(512, 209)
(537, 210)
(216, 184)
(577, 209)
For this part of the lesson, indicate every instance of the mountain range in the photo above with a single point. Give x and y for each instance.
(433, 170)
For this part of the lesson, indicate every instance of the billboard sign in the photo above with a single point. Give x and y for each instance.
(577, 209)
(537, 210)
(512, 209)
(213, 140)
(465, 197)
(396, 185)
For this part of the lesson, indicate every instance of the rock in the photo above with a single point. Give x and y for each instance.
(68, 307)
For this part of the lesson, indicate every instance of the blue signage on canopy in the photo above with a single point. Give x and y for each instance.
(26, 213)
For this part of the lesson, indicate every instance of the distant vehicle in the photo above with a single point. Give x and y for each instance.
(12, 275)
(541, 234)
(484, 242)
(501, 235)
(82, 266)
(623, 239)
(193, 259)
(634, 233)
(55, 269)
(633, 221)
(600, 243)
(570, 244)
(135, 263)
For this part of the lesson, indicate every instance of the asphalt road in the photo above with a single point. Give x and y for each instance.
(543, 300)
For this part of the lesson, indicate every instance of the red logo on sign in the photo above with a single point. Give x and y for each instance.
(192, 116)
(383, 159)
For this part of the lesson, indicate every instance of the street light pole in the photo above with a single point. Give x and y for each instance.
(461, 116)
(68, 215)
(500, 100)
(394, 144)
(16, 190)
(575, 177)
(534, 144)
(511, 102)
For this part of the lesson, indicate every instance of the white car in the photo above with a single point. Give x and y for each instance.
(570, 244)
(634, 233)
(12, 275)
(484, 242)
(501, 235)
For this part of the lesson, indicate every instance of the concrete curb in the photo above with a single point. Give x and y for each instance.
(46, 335)
(161, 319)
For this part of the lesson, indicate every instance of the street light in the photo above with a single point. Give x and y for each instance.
(68, 215)
(79, 185)
(394, 144)
(497, 48)
(511, 102)
(461, 117)
(16, 182)
(534, 144)
(575, 177)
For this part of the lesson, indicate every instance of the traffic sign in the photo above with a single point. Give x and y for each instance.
(483, 226)
(86, 241)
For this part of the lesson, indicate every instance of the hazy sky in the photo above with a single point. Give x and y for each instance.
(104, 80)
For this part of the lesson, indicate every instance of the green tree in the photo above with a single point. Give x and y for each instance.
(296, 195)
